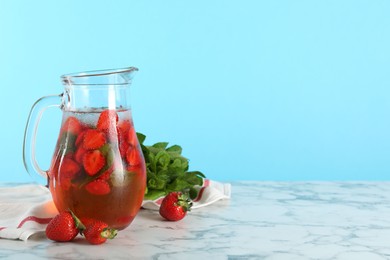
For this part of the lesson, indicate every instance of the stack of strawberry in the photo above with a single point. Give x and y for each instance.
(89, 157)
(66, 226)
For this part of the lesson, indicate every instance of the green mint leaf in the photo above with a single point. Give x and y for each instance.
(145, 151)
(193, 193)
(161, 145)
(184, 165)
(156, 182)
(154, 194)
(193, 178)
(154, 150)
(175, 149)
(163, 159)
(152, 162)
(178, 185)
(141, 137)
(198, 173)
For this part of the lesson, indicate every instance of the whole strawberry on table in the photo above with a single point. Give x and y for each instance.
(174, 206)
(66, 226)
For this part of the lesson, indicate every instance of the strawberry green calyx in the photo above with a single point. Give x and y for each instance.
(109, 233)
(79, 225)
(184, 201)
(175, 205)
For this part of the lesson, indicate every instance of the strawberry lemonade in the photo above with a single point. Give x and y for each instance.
(98, 170)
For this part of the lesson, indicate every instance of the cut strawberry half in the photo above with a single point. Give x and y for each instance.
(80, 152)
(69, 155)
(107, 174)
(132, 137)
(123, 146)
(133, 156)
(112, 135)
(107, 119)
(80, 138)
(98, 187)
(93, 162)
(72, 125)
(93, 139)
(67, 171)
(124, 127)
(69, 168)
(126, 130)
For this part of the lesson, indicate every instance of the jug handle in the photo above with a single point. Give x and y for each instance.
(29, 159)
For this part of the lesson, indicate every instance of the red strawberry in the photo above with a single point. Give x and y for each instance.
(127, 133)
(123, 129)
(72, 125)
(133, 156)
(97, 232)
(107, 174)
(79, 155)
(132, 137)
(124, 126)
(64, 227)
(174, 206)
(69, 155)
(98, 187)
(80, 138)
(108, 119)
(67, 171)
(93, 139)
(69, 167)
(93, 162)
(123, 146)
(137, 169)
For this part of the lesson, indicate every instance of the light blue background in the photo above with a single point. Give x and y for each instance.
(252, 90)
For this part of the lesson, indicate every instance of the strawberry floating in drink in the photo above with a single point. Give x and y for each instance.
(108, 119)
(93, 162)
(98, 187)
(72, 125)
(93, 139)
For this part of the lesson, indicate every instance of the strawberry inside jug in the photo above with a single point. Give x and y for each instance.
(98, 170)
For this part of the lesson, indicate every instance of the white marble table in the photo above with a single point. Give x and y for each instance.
(263, 220)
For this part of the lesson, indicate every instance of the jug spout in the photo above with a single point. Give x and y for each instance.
(121, 76)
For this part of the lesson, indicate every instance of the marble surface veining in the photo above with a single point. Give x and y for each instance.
(263, 220)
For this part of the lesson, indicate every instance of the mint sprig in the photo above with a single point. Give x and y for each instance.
(167, 170)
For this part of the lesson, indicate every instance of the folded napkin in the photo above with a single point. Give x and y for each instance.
(25, 210)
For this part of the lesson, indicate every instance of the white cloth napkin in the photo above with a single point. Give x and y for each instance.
(25, 210)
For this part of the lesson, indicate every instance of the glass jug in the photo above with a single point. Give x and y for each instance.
(97, 168)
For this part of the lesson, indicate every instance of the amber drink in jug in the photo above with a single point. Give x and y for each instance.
(97, 168)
